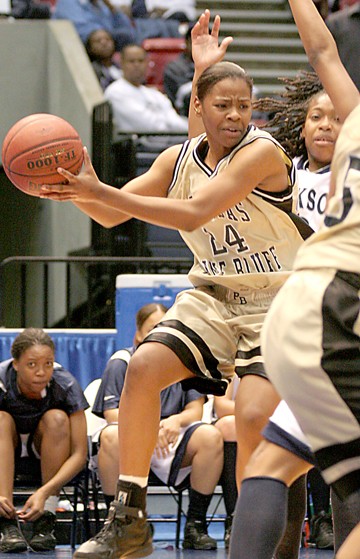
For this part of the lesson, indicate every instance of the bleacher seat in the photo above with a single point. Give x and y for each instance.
(161, 51)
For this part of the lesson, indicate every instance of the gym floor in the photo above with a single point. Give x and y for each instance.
(164, 551)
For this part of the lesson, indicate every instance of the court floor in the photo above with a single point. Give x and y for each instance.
(164, 547)
(163, 550)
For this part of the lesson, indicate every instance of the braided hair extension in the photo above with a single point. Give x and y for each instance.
(288, 113)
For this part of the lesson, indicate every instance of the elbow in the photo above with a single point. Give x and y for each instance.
(194, 222)
(108, 223)
(322, 53)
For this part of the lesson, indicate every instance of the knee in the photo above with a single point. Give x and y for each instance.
(7, 423)
(109, 441)
(226, 426)
(210, 440)
(55, 421)
(142, 374)
(251, 418)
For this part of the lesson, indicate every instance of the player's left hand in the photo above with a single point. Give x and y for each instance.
(205, 46)
(84, 187)
(33, 508)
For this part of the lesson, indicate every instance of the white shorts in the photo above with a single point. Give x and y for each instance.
(162, 466)
(284, 430)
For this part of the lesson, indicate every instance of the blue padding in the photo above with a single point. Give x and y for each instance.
(133, 291)
(83, 353)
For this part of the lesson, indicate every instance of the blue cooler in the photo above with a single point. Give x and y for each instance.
(133, 291)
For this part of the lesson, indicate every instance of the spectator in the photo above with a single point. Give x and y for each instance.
(27, 9)
(100, 46)
(88, 15)
(41, 416)
(181, 10)
(345, 28)
(178, 75)
(137, 107)
(323, 7)
(185, 446)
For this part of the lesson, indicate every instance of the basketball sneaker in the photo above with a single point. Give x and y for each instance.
(43, 538)
(125, 533)
(227, 534)
(322, 534)
(197, 537)
(11, 538)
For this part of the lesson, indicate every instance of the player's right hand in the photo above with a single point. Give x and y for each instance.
(84, 187)
(7, 509)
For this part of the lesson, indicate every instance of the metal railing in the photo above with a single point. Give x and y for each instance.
(98, 273)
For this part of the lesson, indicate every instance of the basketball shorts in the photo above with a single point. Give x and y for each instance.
(311, 346)
(215, 334)
(26, 447)
(168, 469)
(284, 430)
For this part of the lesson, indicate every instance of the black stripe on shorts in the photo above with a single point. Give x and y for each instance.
(340, 344)
(206, 385)
(256, 368)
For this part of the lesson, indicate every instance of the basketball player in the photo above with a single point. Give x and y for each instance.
(307, 126)
(185, 447)
(41, 417)
(311, 334)
(229, 192)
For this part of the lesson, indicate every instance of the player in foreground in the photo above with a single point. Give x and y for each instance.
(229, 192)
(311, 334)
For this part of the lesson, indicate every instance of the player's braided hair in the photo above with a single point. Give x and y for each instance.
(288, 113)
(28, 338)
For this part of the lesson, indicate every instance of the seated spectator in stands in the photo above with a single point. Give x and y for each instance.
(88, 15)
(100, 46)
(181, 10)
(28, 9)
(345, 28)
(185, 445)
(178, 75)
(323, 7)
(41, 417)
(137, 107)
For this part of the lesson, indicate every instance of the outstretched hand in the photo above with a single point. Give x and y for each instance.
(205, 46)
(83, 187)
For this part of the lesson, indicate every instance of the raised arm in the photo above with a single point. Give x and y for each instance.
(323, 56)
(206, 50)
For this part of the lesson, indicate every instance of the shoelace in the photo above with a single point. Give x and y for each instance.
(18, 524)
(109, 526)
(25, 540)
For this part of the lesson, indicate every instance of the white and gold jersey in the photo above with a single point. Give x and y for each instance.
(251, 245)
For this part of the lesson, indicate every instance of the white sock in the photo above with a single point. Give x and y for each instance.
(51, 503)
(141, 481)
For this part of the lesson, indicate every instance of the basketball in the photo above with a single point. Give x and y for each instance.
(35, 147)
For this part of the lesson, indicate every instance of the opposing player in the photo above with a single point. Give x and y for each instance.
(311, 334)
(229, 192)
